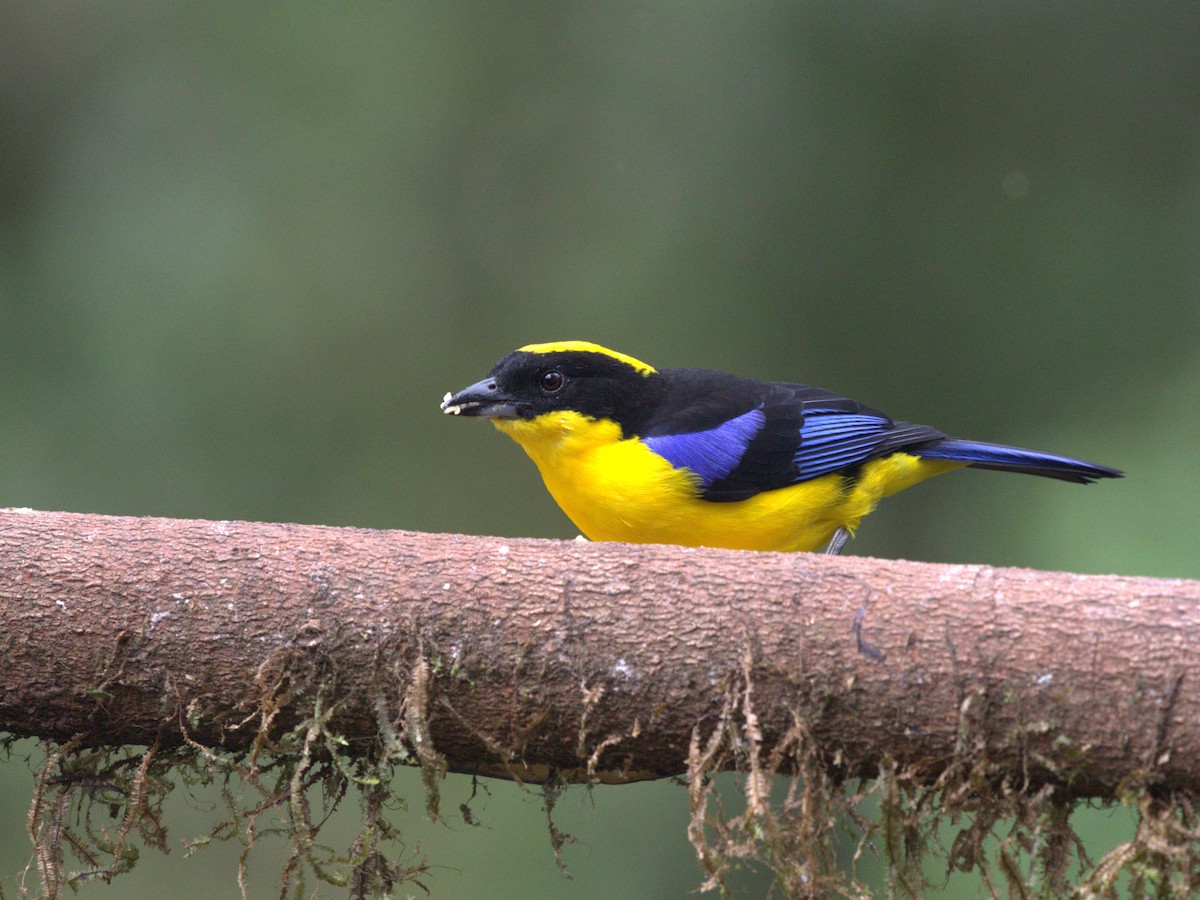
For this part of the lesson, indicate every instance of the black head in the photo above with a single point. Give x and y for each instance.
(576, 376)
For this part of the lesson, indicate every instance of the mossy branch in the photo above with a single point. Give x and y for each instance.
(541, 659)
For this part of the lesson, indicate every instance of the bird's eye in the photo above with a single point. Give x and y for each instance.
(551, 381)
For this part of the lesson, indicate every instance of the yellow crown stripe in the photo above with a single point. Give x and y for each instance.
(587, 347)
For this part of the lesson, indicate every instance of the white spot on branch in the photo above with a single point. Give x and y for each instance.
(622, 669)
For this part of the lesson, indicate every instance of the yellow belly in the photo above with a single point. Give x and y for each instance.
(619, 490)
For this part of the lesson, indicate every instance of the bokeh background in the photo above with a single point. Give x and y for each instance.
(245, 249)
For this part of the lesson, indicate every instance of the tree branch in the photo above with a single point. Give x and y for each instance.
(531, 658)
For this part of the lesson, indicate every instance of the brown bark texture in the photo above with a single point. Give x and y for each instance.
(534, 657)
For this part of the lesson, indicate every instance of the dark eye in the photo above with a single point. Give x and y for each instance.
(551, 381)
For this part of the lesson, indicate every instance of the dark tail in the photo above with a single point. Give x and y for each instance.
(1014, 459)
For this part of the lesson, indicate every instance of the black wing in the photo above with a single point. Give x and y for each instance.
(742, 437)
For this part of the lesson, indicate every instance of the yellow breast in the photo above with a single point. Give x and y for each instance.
(620, 490)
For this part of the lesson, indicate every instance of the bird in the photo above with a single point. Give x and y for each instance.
(697, 457)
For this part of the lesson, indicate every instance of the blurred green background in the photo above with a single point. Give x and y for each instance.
(245, 249)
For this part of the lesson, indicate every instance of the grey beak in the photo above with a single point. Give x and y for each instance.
(484, 398)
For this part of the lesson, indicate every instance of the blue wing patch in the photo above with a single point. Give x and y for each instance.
(711, 454)
(834, 439)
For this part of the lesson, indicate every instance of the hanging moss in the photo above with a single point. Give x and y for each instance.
(94, 808)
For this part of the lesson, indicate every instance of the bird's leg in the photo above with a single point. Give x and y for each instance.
(834, 547)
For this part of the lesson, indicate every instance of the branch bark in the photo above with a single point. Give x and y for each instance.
(528, 657)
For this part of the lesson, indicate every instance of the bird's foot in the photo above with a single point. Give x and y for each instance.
(834, 547)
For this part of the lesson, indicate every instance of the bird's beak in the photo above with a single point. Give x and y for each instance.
(484, 398)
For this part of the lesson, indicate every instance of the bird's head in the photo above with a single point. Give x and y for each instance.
(540, 382)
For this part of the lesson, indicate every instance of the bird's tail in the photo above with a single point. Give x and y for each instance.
(1014, 459)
